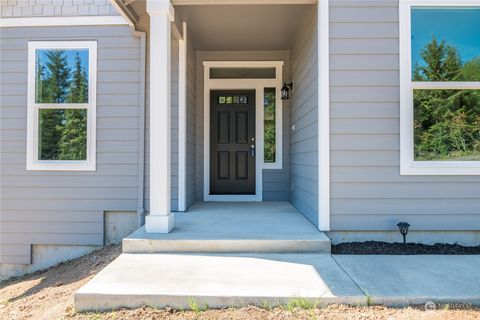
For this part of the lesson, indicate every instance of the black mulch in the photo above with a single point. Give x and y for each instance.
(377, 247)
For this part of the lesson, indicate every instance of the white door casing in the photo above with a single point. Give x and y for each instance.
(252, 84)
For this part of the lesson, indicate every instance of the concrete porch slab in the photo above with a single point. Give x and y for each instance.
(234, 227)
(402, 280)
(160, 280)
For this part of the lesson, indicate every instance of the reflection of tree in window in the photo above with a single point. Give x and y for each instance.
(62, 132)
(269, 125)
(446, 122)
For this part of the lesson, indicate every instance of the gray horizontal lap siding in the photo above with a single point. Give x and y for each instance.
(304, 116)
(367, 190)
(66, 208)
(191, 127)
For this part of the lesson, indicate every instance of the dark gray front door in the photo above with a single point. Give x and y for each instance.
(232, 142)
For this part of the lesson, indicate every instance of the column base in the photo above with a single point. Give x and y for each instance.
(159, 223)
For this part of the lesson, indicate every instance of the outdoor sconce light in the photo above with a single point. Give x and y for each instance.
(286, 90)
(403, 227)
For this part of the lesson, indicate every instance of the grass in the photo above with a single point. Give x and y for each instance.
(300, 303)
(369, 299)
(195, 307)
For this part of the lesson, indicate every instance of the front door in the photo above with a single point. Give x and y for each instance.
(232, 142)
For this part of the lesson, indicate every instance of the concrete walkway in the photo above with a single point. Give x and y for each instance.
(415, 279)
(222, 280)
(233, 254)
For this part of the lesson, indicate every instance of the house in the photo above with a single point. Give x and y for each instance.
(120, 113)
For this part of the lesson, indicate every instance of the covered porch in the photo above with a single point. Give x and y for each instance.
(203, 60)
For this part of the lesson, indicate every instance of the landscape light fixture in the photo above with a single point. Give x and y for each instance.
(403, 227)
(286, 90)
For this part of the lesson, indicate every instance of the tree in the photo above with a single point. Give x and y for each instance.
(49, 133)
(442, 62)
(58, 79)
(446, 122)
(73, 141)
(79, 83)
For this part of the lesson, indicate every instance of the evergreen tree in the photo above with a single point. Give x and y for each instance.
(53, 80)
(442, 63)
(73, 141)
(58, 80)
(79, 83)
(40, 87)
(446, 122)
(49, 133)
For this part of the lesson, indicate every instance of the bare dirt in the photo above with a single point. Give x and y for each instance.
(49, 295)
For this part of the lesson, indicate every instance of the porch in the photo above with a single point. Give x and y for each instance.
(218, 125)
(221, 227)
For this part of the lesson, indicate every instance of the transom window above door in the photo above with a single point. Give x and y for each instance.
(242, 73)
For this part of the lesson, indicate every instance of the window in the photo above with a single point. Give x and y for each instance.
(242, 73)
(269, 139)
(440, 87)
(61, 105)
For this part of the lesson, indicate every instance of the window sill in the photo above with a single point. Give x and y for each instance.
(61, 166)
(459, 168)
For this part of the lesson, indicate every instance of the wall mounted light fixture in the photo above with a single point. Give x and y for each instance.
(286, 90)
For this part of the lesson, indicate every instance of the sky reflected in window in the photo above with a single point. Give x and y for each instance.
(458, 27)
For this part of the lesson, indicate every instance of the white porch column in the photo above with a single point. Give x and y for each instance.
(160, 219)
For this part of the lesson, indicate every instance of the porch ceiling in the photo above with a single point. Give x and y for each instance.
(243, 27)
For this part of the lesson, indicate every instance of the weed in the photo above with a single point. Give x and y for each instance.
(301, 304)
(193, 305)
(265, 305)
(95, 316)
(369, 299)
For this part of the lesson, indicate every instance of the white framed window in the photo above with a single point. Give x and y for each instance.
(439, 87)
(61, 117)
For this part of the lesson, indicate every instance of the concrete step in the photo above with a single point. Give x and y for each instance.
(226, 246)
(275, 227)
(217, 280)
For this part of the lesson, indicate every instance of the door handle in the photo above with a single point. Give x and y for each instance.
(252, 151)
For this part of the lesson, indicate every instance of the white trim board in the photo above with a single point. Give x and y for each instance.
(323, 116)
(249, 84)
(182, 121)
(240, 2)
(408, 165)
(62, 21)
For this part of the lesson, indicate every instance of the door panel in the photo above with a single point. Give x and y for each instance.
(232, 142)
